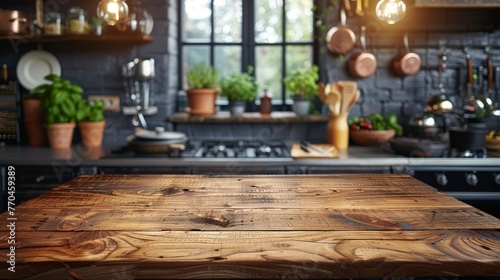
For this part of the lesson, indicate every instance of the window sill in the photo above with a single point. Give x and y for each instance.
(252, 117)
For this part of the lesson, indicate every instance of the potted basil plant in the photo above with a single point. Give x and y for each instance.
(303, 84)
(239, 88)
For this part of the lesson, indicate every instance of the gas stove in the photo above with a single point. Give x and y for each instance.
(223, 149)
(242, 149)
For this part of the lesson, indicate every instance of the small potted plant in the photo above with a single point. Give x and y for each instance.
(59, 99)
(91, 122)
(303, 84)
(202, 80)
(97, 26)
(239, 88)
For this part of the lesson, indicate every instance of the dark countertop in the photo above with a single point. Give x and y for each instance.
(356, 156)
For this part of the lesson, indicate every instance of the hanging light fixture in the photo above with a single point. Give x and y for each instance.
(112, 11)
(390, 11)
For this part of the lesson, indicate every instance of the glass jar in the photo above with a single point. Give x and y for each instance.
(53, 24)
(76, 22)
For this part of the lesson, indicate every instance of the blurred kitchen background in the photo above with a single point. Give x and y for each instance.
(432, 31)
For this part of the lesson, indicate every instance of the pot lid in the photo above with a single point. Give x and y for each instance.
(159, 134)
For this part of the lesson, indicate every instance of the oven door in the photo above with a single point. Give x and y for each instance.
(478, 187)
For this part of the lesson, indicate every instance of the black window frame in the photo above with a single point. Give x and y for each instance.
(249, 45)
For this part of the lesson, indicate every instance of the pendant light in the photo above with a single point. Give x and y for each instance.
(390, 11)
(112, 11)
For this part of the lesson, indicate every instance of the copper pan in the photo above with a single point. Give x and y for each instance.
(362, 64)
(341, 39)
(407, 62)
(15, 22)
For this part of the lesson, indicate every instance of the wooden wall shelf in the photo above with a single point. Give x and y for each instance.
(122, 38)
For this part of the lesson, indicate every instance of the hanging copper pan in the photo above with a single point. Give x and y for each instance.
(362, 64)
(407, 63)
(341, 39)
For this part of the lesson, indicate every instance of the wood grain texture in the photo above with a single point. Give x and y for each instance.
(275, 226)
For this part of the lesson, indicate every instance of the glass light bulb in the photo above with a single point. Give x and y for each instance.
(390, 11)
(112, 11)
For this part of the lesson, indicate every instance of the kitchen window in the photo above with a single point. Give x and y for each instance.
(273, 36)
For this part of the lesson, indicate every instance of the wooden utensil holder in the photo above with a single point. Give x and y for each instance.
(338, 131)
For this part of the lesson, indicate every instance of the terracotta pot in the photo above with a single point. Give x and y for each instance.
(60, 135)
(33, 122)
(92, 133)
(202, 101)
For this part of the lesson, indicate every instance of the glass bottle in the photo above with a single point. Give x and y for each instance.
(53, 24)
(77, 21)
(265, 103)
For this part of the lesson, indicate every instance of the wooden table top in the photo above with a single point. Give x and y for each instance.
(284, 226)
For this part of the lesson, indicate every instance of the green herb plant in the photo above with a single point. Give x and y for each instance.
(202, 76)
(303, 83)
(59, 99)
(90, 111)
(239, 86)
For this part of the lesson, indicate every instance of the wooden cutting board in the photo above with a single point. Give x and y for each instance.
(297, 152)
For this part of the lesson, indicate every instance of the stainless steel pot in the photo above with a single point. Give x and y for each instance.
(15, 22)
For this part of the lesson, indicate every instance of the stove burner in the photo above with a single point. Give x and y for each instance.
(243, 149)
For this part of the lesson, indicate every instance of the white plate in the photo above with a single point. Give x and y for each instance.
(34, 66)
(155, 135)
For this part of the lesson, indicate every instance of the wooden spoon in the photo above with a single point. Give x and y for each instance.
(321, 91)
(349, 90)
(354, 100)
(334, 99)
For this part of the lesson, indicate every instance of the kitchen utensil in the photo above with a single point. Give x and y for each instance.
(359, 8)
(348, 93)
(333, 99)
(306, 145)
(341, 39)
(15, 22)
(413, 147)
(474, 108)
(302, 151)
(158, 134)
(34, 66)
(362, 64)
(467, 138)
(406, 63)
(354, 100)
(321, 92)
(440, 103)
(484, 97)
(155, 147)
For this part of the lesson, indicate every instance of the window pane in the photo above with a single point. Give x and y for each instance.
(268, 21)
(193, 55)
(299, 20)
(268, 69)
(297, 58)
(196, 17)
(228, 59)
(228, 20)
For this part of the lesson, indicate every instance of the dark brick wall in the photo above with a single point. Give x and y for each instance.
(98, 67)
(430, 31)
